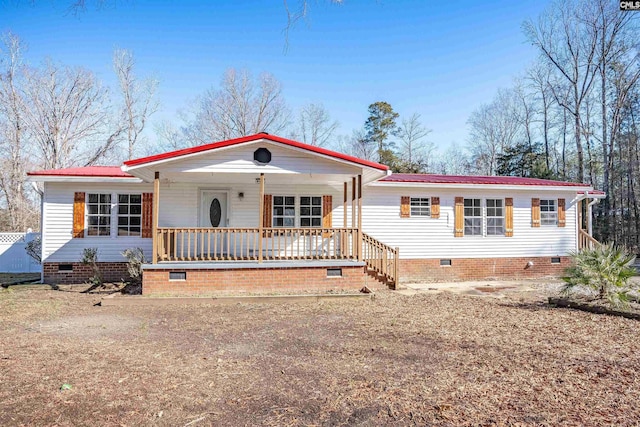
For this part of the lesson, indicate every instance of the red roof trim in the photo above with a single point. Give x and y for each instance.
(476, 180)
(87, 171)
(273, 138)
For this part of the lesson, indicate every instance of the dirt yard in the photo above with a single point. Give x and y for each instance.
(432, 358)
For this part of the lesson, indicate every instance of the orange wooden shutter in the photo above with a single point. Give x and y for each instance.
(459, 217)
(535, 212)
(327, 207)
(267, 214)
(435, 207)
(508, 230)
(147, 215)
(78, 215)
(562, 214)
(405, 207)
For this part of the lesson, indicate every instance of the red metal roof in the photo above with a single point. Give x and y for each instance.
(87, 171)
(258, 136)
(464, 179)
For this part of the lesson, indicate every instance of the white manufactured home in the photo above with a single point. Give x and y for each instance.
(264, 213)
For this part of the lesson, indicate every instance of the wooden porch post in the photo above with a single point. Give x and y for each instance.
(344, 205)
(354, 243)
(260, 218)
(360, 218)
(154, 226)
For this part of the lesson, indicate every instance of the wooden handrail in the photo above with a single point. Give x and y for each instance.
(242, 243)
(586, 241)
(381, 258)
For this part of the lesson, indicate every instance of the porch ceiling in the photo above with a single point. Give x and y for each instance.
(270, 178)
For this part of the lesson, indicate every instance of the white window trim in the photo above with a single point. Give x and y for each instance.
(86, 215)
(113, 227)
(411, 198)
(483, 206)
(486, 218)
(296, 204)
(555, 212)
(117, 208)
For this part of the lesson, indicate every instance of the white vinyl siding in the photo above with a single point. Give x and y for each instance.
(423, 237)
(179, 207)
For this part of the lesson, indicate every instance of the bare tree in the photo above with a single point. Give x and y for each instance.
(13, 138)
(571, 48)
(241, 106)
(362, 146)
(68, 116)
(315, 125)
(454, 161)
(493, 126)
(539, 80)
(413, 147)
(169, 137)
(138, 98)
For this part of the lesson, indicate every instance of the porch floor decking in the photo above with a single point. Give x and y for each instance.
(238, 265)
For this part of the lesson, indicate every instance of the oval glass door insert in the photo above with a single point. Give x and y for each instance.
(215, 212)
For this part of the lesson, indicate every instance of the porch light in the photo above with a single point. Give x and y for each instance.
(241, 195)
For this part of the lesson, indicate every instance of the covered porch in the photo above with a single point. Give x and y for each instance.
(224, 206)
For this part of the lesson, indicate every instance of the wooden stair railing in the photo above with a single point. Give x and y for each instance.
(586, 241)
(381, 258)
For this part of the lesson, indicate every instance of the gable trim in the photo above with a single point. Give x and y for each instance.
(192, 151)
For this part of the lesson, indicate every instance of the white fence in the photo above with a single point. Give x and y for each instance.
(13, 254)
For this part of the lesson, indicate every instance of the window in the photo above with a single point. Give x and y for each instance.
(495, 217)
(284, 211)
(310, 211)
(420, 206)
(472, 217)
(99, 215)
(129, 214)
(548, 212)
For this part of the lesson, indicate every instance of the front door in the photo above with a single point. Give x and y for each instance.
(213, 214)
(213, 209)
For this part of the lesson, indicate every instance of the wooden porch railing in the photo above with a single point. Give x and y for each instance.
(235, 244)
(585, 241)
(381, 258)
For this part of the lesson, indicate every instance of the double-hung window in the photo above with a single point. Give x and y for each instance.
(129, 214)
(473, 217)
(98, 214)
(284, 211)
(487, 220)
(292, 211)
(495, 217)
(310, 211)
(420, 206)
(548, 212)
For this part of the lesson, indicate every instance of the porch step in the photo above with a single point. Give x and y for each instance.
(381, 278)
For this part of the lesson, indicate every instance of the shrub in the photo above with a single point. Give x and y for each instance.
(90, 258)
(135, 259)
(34, 249)
(605, 270)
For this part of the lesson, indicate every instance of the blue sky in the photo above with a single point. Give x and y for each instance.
(439, 59)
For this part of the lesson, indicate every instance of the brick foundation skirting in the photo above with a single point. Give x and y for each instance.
(257, 280)
(54, 274)
(430, 270)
